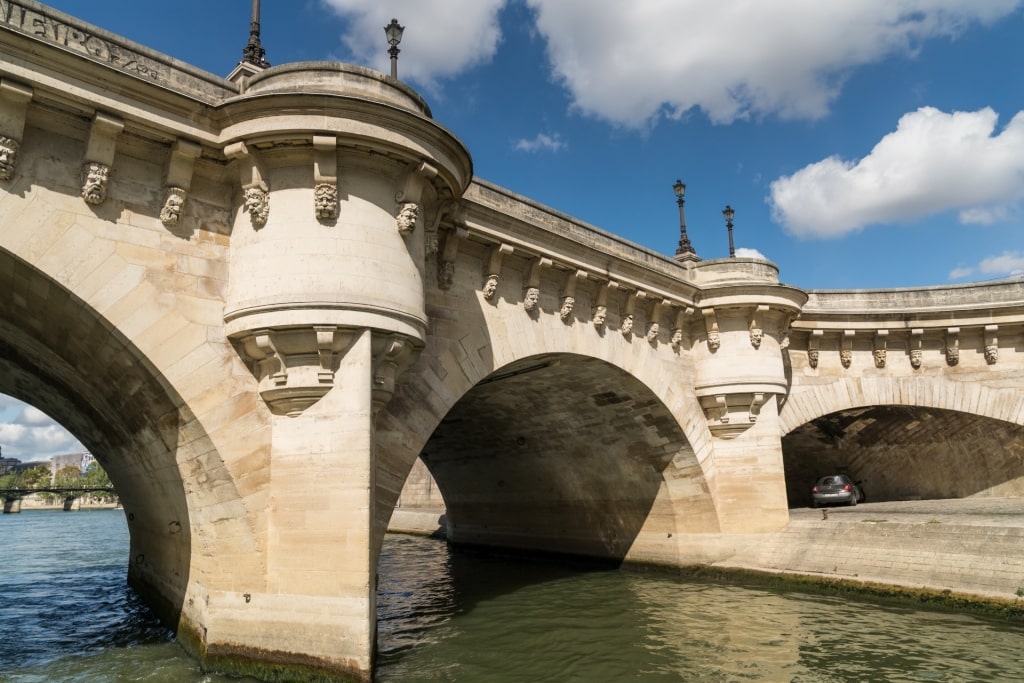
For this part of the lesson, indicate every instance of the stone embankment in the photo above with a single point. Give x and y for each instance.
(972, 547)
(969, 546)
(38, 503)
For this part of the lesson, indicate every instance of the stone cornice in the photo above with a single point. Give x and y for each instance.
(493, 214)
(56, 33)
(964, 305)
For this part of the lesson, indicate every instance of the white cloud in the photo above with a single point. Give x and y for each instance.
(985, 215)
(32, 435)
(33, 416)
(932, 162)
(442, 37)
(745, 252)
(628, 62)
(541, 141)
(1007, 263)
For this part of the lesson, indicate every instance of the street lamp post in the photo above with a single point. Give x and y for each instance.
(253, 52)
(728, 213)
(685, 251)
(394, 33)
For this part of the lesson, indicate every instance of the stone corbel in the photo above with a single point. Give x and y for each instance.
(879, 351)
(252, 177)
(325, 177)
(756, 401)
(295, 367)
(814, 347)
(915, 347)
(444, 209)
(600, 313)
(654, 320)
(711, 326)
(99, 156)
(492, 269)
(787, 328)
(449, 252)
(720, 409)
(531, 290)
(846, 348)
(178, 180)
(991, 344)
(325, 352)
(952, 346)
(259, 348)
(410, 196)
(567, 299)
(14, 99)
(756, 331)
(392, 354)
(730, 414)
(626, 327)
(677, 329)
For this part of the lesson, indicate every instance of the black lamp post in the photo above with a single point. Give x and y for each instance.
(394, 34)
(728, 213)
(253, 52)
(684, 252)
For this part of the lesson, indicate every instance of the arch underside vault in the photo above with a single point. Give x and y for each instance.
(60, 355)
(557, 453)
(907, 453)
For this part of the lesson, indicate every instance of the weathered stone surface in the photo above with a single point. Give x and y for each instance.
(265, 386)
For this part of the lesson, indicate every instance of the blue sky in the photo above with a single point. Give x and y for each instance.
(862, 143)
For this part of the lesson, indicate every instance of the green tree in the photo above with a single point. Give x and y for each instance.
(35, 477)
(95, 475)
(68, 476)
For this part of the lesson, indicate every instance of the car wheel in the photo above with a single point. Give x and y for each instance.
(853, 501)
(814, 503)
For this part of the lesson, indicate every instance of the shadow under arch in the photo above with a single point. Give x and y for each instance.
(557, 453)
(907, 453)
(62, 356)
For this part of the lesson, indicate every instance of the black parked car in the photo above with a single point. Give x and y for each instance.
(837, 488)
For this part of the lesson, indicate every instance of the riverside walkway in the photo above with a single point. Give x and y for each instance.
(968, 546)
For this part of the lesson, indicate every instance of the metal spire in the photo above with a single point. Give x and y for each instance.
(253, 52)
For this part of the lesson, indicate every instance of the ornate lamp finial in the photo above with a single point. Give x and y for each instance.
(685, 251)
(253, 52)
(394, 33)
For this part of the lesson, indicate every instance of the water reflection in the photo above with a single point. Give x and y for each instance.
(66, 616)
(495, 620)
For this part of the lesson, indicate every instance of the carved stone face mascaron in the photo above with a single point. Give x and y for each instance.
(530, 298)
(94, 183)
(8, 157)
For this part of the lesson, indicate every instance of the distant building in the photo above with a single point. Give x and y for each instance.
(81, 461)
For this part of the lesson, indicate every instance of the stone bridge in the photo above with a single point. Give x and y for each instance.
(260, 301)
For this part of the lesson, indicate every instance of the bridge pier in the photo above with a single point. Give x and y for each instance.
(72, 504)
(751, 482)
(223, 302)
(316, 614)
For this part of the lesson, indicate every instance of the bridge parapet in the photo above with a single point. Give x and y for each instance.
(929, 326)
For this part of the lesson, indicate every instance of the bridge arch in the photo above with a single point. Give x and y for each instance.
(60, 354)
(551, 435)
(923, 437)
(997, 397)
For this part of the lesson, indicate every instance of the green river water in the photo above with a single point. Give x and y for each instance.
(443, 615)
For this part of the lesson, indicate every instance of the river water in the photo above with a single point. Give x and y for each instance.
(66, 615)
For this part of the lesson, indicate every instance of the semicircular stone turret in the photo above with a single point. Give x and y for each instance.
(342, 175)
